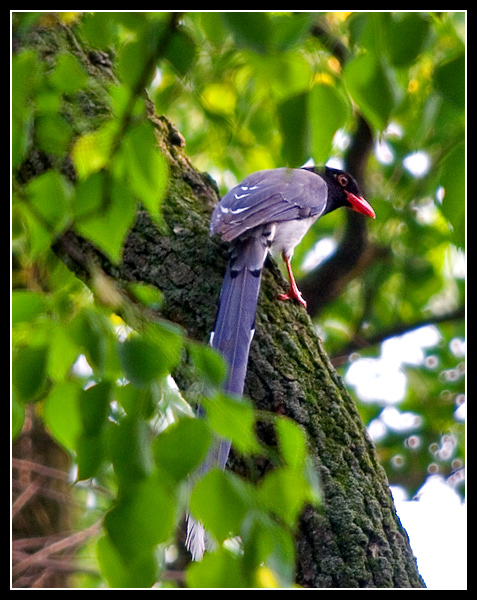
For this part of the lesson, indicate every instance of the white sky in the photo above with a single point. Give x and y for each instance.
(436, 520)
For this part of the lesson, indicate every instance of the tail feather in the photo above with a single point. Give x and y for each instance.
(232, 336)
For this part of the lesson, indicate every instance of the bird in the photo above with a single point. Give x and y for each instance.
(270, 210)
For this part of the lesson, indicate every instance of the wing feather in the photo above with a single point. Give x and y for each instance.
(269, 196)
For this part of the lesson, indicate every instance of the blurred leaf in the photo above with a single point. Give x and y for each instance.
(449, 79)
(174, 457)
(250, 29)
(108, 227)
(99, 29)
(147, 294)
(29, 372)
(49, 199)
(406, 35)
(94, 407)
(61, 413)
(68, 75)
(53, 133)
(208, 364)
(294, 127)
(92, 151)
(267, 543)
(139, 571)
(292, 442)
(372, 86)
(27, 305)
(90, 453)
(233, 419)
(232, 499)
(88, 330)
(181, 52)
(290, 30)
(328, 112)
(131, 452)
(284, 492)
(141, 520)
(144, 167)
(144, 361)
(453, 180)
(219, 98)
(219, 569)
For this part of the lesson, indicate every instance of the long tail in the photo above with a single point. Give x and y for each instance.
(232, 336)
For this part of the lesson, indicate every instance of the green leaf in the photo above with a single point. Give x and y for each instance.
(294, 127)
(53, 133)
(372, 86)
(449, 80)
(406, 34)
(292, 442)
(89, 196)
(220, 501)
(453, 180)
(174, 457)
(144, 361)
(143, 167)
(208, 363)
(233, 419)
(61, 414)
(141, 520)
(49, 201)
(328, 112)
(181, 52)
(139, 571)
(265, 542)
(89, 331)
(219, 569)
(27, 305)
(92, 151)
(90, 452)
(29, 372)
(94, 407)
(284, 492)
(250, 29)
(99, 29)
(108, 228)
(68, 76)
(131, 450)
(288, 31)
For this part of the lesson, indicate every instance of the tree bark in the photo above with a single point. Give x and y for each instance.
(355, 539)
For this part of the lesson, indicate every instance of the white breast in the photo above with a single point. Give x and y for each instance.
(289, 234)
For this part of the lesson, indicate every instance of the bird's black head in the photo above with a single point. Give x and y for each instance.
(343, 191)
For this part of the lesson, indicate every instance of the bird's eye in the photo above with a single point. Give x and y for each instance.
(342, 180)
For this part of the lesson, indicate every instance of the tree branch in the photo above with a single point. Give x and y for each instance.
(360, 342)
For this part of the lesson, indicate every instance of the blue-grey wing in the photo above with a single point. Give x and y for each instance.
(269, 196)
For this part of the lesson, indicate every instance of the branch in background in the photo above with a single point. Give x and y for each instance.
(359, 342)
(354, 253)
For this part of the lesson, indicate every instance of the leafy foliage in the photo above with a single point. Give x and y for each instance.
(248, 91)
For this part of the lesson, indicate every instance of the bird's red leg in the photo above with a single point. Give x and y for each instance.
(293, 293)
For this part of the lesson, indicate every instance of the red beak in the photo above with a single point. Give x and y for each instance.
(360, 205)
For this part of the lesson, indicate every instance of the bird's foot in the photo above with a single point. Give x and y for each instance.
(293, 294)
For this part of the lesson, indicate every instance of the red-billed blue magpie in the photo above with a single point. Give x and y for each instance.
(269, 210)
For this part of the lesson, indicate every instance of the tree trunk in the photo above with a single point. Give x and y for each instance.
(356, 538)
